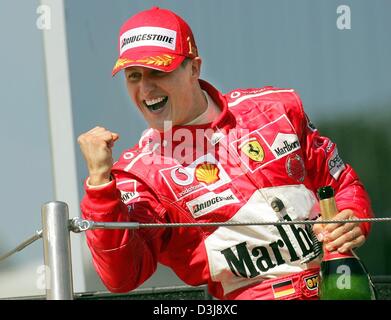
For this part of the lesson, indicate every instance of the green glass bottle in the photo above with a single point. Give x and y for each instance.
(343, 276)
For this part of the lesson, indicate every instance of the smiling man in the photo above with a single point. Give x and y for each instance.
(162, 68)
(248, 156)
(172, 97)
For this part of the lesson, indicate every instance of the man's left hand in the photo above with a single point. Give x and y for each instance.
(340, 236)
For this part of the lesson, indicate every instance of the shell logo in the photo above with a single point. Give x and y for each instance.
(207, 172)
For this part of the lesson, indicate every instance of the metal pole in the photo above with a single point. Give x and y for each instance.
(57, 251)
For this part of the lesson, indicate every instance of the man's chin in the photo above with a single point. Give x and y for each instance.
(163, 126)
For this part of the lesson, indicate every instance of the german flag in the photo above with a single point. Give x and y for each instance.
(283, 289)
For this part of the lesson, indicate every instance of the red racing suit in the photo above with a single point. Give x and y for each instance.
(261, 148)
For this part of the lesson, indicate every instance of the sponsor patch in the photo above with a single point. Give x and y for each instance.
(329, 146)
(312, 282)
(181, 177)
(280, 136)
(211, 201)
(336, 165)
(127, 196)
(271, 142)
(204, 173)
(295, 167)
(148, 36)
(283, 289)
(207, 172)
(285, 144)
(189, 190)
(238, 259)
(253, 149)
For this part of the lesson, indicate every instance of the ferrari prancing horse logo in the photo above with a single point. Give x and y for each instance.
(253, 150)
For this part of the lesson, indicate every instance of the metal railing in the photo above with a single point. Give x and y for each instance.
(56, 228)
(57, 251)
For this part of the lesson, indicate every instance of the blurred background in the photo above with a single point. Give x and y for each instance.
(55, 83)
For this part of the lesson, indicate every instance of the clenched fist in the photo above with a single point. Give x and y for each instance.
(96, 146)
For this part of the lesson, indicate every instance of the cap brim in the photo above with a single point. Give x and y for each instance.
(165, 62)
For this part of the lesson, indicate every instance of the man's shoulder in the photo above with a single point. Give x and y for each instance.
(126, 157)
(239, 96)
(148, 141)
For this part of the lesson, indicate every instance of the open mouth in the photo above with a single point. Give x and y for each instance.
(156, 105)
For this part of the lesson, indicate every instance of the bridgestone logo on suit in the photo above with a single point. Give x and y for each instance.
(210, 201)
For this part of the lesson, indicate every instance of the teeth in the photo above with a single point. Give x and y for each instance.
(154, 101)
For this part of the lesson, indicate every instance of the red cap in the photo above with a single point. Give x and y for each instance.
(155, 38)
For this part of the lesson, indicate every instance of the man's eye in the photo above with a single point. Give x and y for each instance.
(133, 76)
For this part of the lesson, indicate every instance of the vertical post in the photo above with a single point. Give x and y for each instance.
(60, 120)
(57, 251)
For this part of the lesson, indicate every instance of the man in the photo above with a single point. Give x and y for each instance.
(248, 156)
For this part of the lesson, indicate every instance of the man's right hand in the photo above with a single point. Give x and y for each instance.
(96, 146)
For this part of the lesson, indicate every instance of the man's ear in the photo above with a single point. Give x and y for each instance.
(196, 67)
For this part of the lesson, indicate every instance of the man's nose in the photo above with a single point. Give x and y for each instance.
(147, 85)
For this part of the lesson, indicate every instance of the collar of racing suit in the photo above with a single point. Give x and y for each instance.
(226, 119)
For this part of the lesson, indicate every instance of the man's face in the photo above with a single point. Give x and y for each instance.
(165, 96)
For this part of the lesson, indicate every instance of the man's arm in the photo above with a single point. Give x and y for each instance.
(325, 167)
(123, 258)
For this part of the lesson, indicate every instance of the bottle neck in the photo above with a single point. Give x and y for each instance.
(328, 208)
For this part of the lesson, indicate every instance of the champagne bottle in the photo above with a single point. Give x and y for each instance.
(343, 276)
